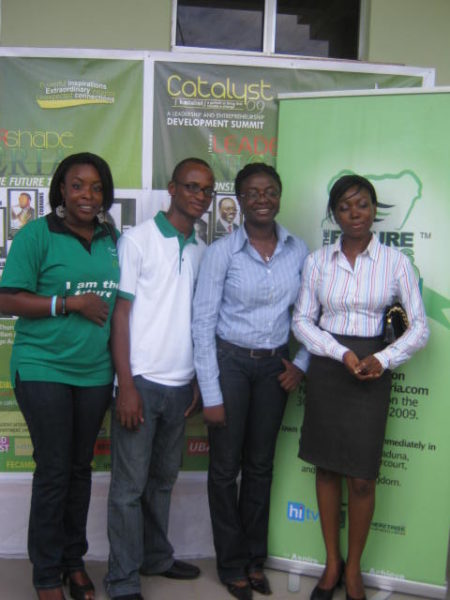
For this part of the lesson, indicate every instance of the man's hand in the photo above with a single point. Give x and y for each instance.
(290, 378)
(214, 416)
(129, 407)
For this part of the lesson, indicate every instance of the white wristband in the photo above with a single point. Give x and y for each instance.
(53, 306)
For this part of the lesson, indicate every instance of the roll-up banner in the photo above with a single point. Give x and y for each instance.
(399, 140)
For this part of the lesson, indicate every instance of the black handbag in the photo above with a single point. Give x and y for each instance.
(395, 322)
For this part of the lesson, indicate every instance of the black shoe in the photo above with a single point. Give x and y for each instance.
(260, 584)
(241, 592)
(178, 570)
(77, 590)
(129, 597)
(319, 593)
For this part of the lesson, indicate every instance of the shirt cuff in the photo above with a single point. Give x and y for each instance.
(382, 359)
(301, 360)
(211, 394)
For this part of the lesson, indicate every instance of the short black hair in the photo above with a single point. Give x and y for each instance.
(343, 184)
(192, 159)
(254, 169)
(82, 158)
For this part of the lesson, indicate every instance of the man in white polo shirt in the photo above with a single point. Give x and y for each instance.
(156, 390)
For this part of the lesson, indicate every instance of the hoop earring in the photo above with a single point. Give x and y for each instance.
(101, 217)
(60, 211)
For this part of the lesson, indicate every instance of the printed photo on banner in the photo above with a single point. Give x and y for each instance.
(22, 208)
(226, 216)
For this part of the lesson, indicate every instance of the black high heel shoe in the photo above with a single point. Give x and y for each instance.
(319, 593)
(78, 591)
(241, 592)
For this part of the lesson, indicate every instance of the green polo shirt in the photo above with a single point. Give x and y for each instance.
(47, 259)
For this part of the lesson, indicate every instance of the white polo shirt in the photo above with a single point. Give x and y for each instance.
(158, 271)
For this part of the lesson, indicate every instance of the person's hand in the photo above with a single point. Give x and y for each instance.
(214, 416)
(351, 362)
(291, 377)
(192, 408)
(91, 306)
(369, 368)
(129, 407)
(366, 369)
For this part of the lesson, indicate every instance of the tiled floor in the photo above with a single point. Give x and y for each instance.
(15, 584)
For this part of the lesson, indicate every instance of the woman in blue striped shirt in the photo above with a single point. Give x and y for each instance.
(339, 317)
(248, 282)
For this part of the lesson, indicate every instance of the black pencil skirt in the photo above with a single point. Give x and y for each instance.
(345, 419)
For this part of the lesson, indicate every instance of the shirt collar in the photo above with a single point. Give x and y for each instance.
(57, 225)
(168, 230)
(371, 250)
(241, 237)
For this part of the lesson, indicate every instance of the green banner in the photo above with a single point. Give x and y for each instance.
(53, 107)
(227, 114)
(50, 108)
(400, 142)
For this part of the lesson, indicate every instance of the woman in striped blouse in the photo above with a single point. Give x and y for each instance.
(339, 318)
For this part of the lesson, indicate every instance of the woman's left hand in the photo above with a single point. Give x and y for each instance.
(290, 378)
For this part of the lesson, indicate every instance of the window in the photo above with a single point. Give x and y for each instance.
(322, 28)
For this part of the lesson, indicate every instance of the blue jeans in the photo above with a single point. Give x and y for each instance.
(254, 404)
(145, 465)
(64, 422)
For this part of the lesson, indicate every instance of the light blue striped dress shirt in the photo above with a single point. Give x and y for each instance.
(352, 301)
(245, 301)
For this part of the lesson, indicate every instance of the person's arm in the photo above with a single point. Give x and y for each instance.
(207, 301)
(416, 336)
(128, 400)
(306, 314)
(33, 306)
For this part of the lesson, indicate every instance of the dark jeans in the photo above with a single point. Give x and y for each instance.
(254, 404)
(145, 465)
(63, 421)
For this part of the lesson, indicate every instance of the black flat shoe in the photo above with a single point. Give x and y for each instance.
(319, 593)
(241, 592)
(178, 570)
(78, 591)
(260, 584)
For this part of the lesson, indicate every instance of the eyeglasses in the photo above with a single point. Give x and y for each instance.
(194, 188)
(253, 194)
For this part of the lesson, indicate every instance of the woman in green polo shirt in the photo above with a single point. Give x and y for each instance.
(60, 279)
